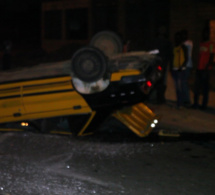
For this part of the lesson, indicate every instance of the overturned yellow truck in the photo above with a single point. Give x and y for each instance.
(82, 92)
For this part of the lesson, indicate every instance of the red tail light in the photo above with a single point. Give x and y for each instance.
(146, 88)
(159, 68)
(148, 83)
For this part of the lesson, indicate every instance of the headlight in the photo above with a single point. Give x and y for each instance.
(152, 125)
(24, 124)
(155, 121)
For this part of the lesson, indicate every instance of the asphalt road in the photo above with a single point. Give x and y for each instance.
(108, 163)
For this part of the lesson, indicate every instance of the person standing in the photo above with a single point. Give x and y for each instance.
(189, 45)
(164, 45)
(178, 67)
(202, 79)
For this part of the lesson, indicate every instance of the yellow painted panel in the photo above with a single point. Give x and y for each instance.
(8, 92)
(40, 98)
(56, 101)
(46, 114)
(9, 107)
(34, 81)
(138, 119)
(46, 87)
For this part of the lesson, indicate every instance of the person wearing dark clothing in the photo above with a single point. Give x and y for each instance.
(164, 46)
(189, 66)
(202, 79)
(178, 68)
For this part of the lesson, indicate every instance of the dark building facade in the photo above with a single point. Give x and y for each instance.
(76, 21)
(194, 16)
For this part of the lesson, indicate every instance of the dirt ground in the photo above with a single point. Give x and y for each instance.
(112, 164)
(185, 119)
(170, 92)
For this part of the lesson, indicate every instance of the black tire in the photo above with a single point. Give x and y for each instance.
(108, 42)
(89, 64)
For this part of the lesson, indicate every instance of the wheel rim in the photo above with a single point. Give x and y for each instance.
(89, 64)
(108, 42)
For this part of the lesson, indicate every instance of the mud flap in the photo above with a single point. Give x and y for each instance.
(138, 118)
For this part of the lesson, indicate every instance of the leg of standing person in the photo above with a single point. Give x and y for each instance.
(161, 87)
(186, 89)
(182, 81)
(206, 88)
(176, 79)
(197, 88)
(164, 82)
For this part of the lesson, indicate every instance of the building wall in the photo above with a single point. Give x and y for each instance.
(101, 15)
(192, 15)
(61, 9)
(137, 20)
(134, 20)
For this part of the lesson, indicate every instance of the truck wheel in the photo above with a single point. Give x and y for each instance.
(89, 64)
(108, 42)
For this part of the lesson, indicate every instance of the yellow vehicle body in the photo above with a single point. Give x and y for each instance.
(83, 91)
(56, 97)
(40, 98)
(50, 91)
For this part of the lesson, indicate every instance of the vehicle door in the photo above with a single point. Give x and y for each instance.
(52, 97)
(11, 102)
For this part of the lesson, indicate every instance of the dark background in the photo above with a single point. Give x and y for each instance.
(20, 22)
